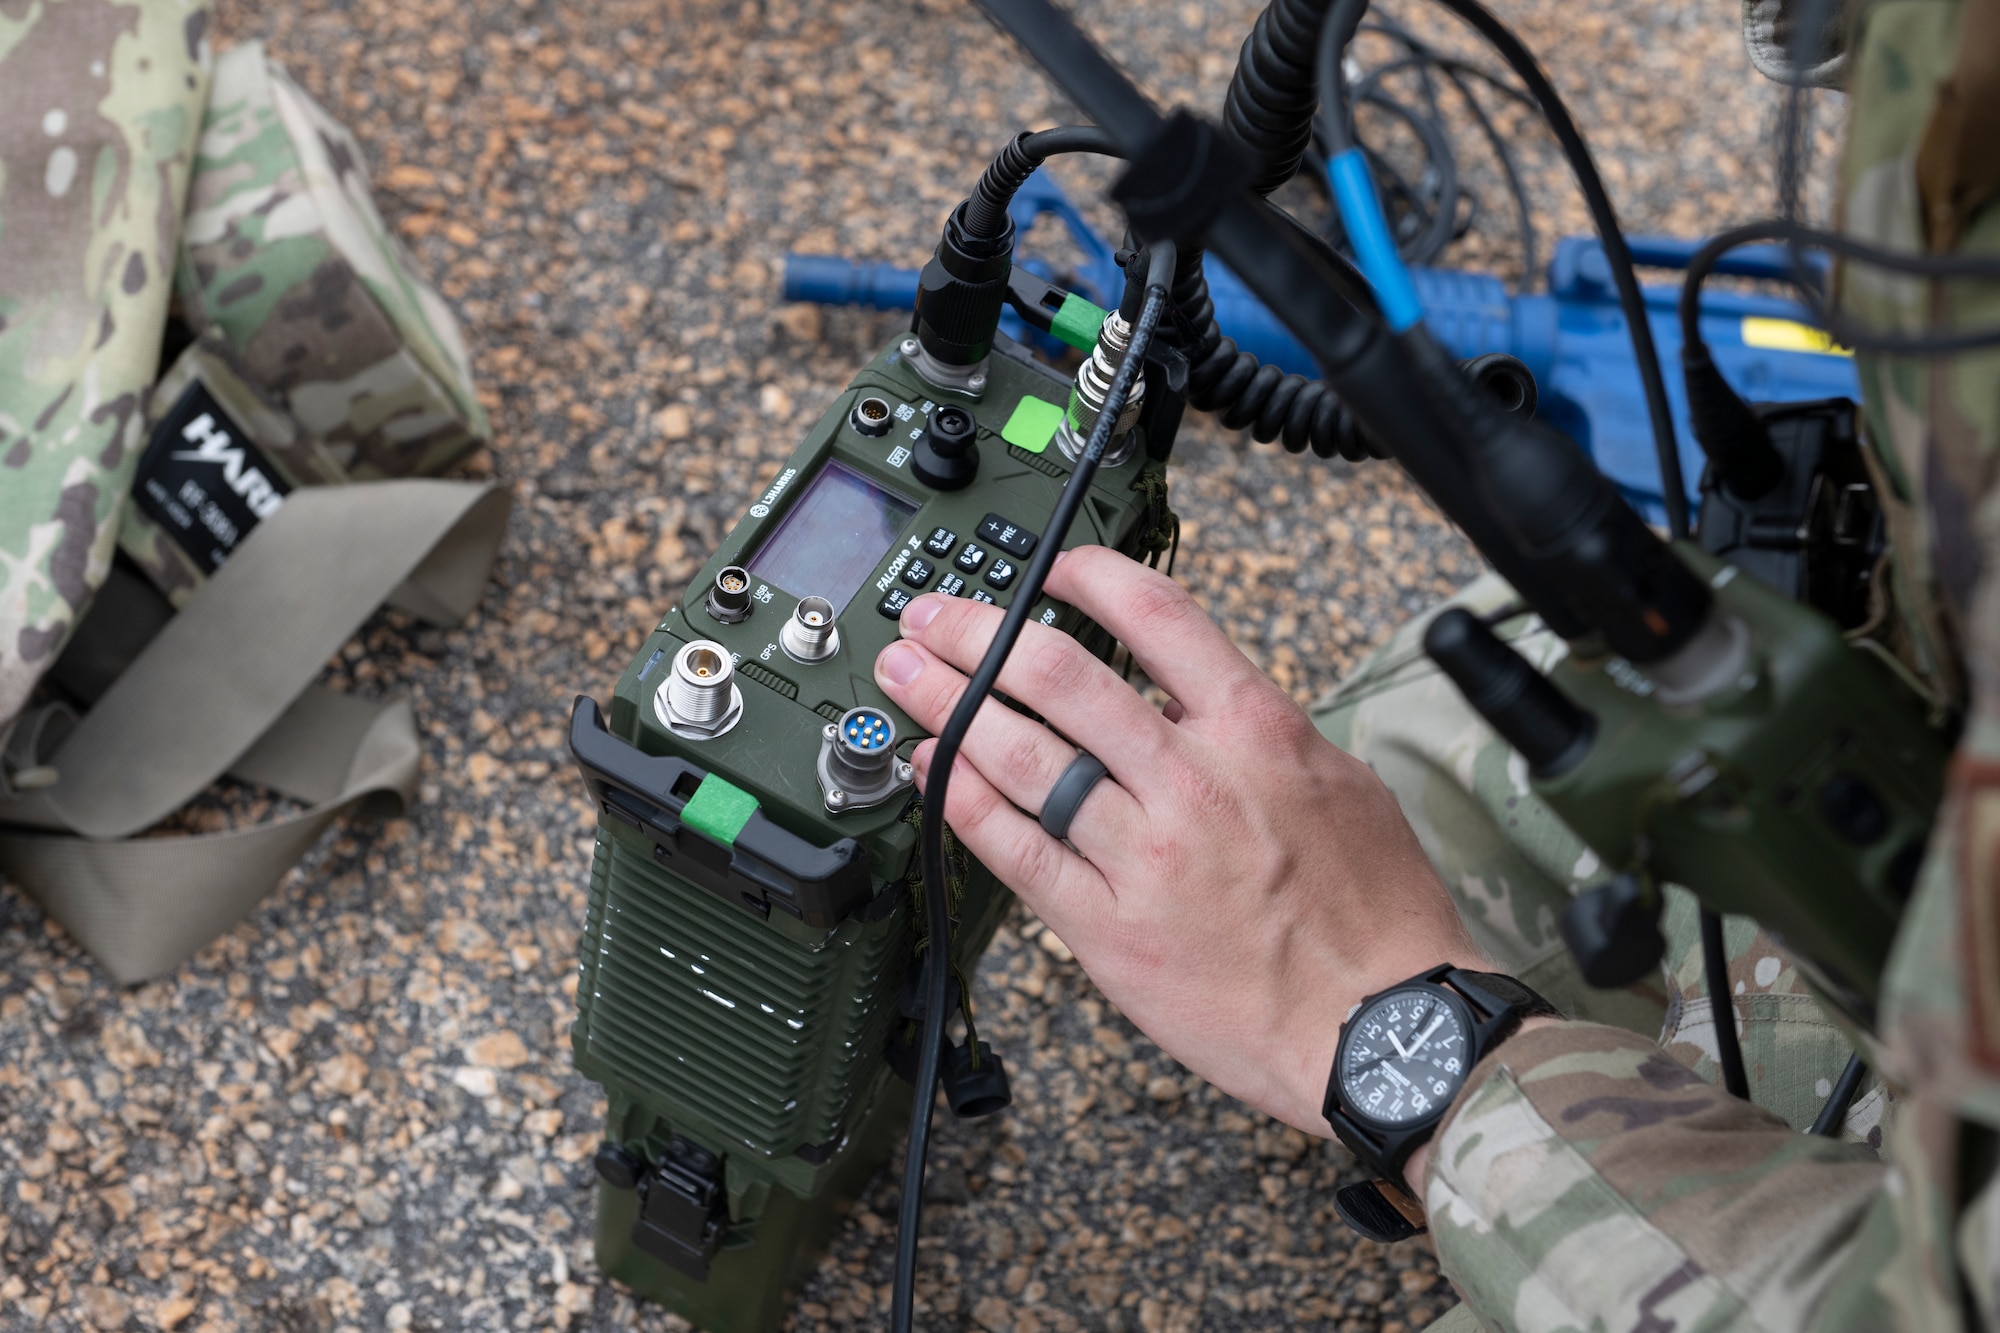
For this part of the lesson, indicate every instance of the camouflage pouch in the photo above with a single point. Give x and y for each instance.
(100, 102)
(324, 358)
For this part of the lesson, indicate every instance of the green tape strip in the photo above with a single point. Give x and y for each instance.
(1033, 424)
(1077, 322)
(719, 809)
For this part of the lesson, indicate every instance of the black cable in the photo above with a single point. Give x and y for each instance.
(986, 208)
(1424, 60)
(937, 905)
(1715, 967)
(1793, 143)
(1345, 19)
(1834, 1113)
(1702, 263)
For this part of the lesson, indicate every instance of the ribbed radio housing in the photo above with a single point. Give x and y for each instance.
(745, 1036)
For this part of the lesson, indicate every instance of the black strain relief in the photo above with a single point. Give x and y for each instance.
(1134, 262)
(1517, 701)
(963, 288)
(986, 211)
(1734, 437)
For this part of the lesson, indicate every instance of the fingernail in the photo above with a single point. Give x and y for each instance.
(919, 614)
(899, 663)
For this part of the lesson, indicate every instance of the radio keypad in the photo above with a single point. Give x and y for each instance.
(1001, 574)
(892, 605)
(971, 558)
(940, 542)
(1008, 535)
(951, 585)
(981, 595)
(918, 572)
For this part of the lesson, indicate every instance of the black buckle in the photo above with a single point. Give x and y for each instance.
(1380, 1211)
(683, 1211)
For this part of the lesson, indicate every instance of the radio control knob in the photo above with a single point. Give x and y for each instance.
(945, 458)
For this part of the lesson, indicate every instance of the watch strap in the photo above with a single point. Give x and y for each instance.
(1496, 992)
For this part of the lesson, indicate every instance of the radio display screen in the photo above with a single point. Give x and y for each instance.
(833, 537)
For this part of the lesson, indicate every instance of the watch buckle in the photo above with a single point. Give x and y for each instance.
(1381, 1211)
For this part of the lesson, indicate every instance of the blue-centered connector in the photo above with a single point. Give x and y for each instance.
(1368, 230)
(867, 730)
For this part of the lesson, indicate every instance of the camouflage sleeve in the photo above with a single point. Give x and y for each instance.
(1586, 1179)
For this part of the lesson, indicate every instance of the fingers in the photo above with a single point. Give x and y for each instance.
(1021, 758)
(1166, 631)
(1054, 675)
(1058, 884)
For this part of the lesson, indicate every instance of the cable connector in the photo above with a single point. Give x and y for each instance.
(959, 297)
(1734, 437)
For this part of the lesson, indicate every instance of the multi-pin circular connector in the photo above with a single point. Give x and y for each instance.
(858, 766)
(729, 597)
(871, 417)
(810, 635)
(700, 699)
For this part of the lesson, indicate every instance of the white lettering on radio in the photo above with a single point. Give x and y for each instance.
(763, 506)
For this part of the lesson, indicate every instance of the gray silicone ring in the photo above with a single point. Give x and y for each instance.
(1066, 797)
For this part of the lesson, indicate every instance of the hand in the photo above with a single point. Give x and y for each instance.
(1238, 885)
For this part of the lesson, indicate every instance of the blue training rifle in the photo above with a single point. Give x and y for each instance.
(1571, 337)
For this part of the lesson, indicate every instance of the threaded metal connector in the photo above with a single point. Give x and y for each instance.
(1093, 385)
(700, 699)
(810, 635)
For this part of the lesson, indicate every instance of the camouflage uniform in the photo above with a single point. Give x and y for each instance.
(100, 102)
(1589, 1178)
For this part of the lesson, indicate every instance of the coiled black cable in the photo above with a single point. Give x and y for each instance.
(1269, 110)
(1269, 105)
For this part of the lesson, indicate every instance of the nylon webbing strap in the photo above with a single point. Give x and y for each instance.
(223, 688)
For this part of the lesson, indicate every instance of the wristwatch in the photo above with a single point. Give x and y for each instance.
(1403, 1056)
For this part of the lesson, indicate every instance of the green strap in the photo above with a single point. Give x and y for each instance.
(224, 688)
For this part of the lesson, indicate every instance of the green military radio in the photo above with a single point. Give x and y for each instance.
(746, 964)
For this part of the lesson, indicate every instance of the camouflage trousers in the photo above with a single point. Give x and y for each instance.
(1511, 865)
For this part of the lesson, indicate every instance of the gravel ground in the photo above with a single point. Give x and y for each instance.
(357, 1110)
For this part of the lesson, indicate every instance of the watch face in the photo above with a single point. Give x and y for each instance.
(1404, 1058)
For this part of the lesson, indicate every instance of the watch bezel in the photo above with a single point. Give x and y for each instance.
(1468, 1023)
